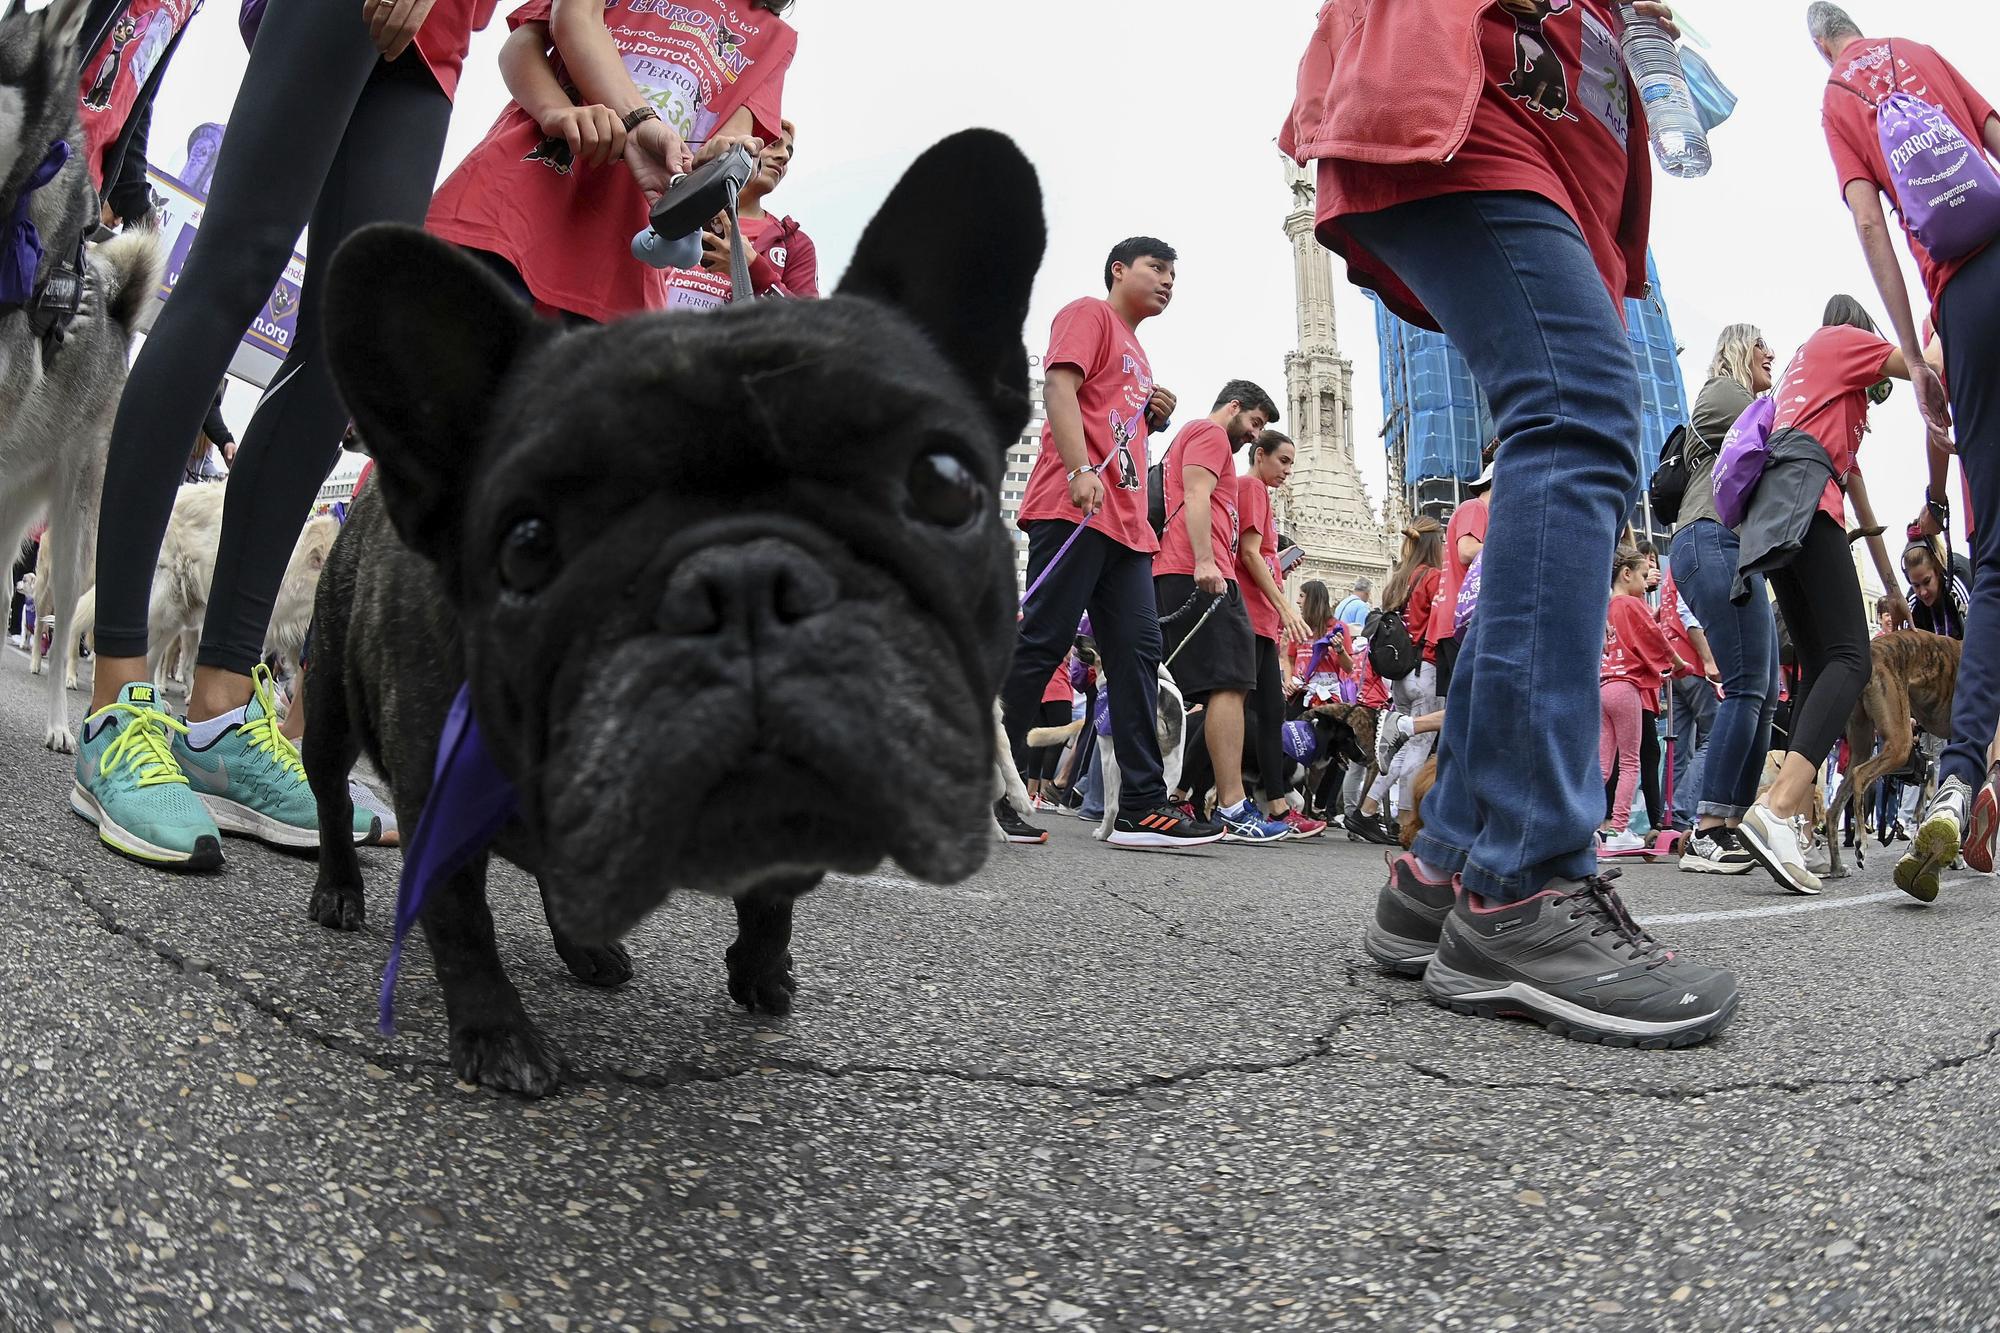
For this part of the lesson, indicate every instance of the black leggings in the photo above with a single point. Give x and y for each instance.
(1045, 761)
(323, 133)
(1821, 601)
(1265, 714)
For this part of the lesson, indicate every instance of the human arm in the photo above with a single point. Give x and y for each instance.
(1086, 489)
(1468, 548)
(1871, 227)
(1197, 486)
(800, 275)
(594, 133)
(1252, 563)
(393, 24)
(1699, 638)
(1864, 512)
(1937, 508)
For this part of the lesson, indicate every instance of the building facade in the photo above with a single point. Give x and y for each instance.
(1021, 457)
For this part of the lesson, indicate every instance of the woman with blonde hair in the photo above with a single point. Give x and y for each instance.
(1744, 639)
(1411, 591)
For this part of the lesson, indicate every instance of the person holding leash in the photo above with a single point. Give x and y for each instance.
(340, 122)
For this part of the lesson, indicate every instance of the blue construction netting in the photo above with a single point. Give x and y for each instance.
(1430, 400)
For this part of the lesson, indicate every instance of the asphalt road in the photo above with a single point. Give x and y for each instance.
(1087, 1089)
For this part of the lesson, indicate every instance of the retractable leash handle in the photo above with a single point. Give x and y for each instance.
(672, 236)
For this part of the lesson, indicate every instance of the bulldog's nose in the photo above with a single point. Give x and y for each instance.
(764, 584)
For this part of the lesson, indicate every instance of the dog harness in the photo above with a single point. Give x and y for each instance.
(52, 304)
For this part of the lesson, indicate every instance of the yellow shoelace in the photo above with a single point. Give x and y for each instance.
(143, 746)
(263, 734)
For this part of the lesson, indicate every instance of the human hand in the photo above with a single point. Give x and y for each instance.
(1160, 407)
(1651, 9)
(594, 133)
(1713, 673)
(393, 24)
(1295, 626)
(722, 143)
(1086, 492)
(1208, 577)
(1899, 615)
(1926, 523)
(655, 154)
(1935, 404)
(716, 246)
(107, 217)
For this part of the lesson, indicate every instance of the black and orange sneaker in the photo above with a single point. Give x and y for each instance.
(1166, 828)
(1014, 828)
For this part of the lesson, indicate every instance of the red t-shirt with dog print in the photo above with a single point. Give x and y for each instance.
(1253, 510)
(1635, 650)
(1091, 339)
(567, 229)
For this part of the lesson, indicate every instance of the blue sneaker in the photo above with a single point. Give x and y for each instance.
(250, 776)
(128, 784)
(1244, 822)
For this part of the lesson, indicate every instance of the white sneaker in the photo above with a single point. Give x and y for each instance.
(1775, 844)
(1623, 841)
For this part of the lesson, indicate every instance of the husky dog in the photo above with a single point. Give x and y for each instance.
(185, 570)
(59, 389)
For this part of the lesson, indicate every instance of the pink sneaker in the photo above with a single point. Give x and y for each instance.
(1301, 826)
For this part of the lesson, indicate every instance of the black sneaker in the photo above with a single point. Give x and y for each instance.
(1166, 828)
(1014, 828)
(1409, 915)
(1573, 959)
(1717, 851)
(1374, 828)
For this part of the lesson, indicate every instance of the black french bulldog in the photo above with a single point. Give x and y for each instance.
(708, 575)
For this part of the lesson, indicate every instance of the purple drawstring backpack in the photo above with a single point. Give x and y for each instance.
(1740, 465)
(1946, 190)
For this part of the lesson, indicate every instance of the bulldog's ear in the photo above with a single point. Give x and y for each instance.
(421, 338)
(956, 247)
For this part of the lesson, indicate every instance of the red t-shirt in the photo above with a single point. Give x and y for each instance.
(568, 229)
(1566, 128)
(1868, 68)
(1676, 633)
(1057, 691)
(1117, 380)
(113, 74)
(1468, 520)
(1203, 444)
(787, 262)
(1253, 514)
(1635, 650)
(1374, 691)
(1825, 394)
(447, 35)
(1417, 612)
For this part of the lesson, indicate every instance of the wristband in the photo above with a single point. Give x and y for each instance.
(1077, 472)
(1942, 508)
(638, 115)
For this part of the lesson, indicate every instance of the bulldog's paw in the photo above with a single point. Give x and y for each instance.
(337, 906)
(596, 965)
(759, 983)
(507, 1056)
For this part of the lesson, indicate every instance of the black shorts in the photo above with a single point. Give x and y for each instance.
(1222, 656)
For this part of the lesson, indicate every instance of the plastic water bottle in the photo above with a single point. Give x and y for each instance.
(1679, 144)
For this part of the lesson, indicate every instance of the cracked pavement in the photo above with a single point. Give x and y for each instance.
(1084, 1090)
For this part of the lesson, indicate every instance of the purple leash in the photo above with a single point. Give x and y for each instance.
(470, 801)
(1050, 568)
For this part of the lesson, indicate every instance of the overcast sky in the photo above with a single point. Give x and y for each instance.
(1150, 116)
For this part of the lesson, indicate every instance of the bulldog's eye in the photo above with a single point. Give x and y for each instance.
(528, 560)
(944, 491)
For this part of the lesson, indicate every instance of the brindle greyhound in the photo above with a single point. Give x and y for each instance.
(1914, 676)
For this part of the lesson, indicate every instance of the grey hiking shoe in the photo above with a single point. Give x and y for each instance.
(1573, 959)
(1409, 914)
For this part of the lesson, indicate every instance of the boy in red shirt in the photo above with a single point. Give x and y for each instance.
(783, 259)
(1637, 658)
(1272, 617)
(1964, 291)
(1089, 544)
(1214, 652)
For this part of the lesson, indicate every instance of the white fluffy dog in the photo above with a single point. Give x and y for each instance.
(185, 570)
(1170, 724)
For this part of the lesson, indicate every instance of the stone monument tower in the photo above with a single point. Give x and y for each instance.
(1323, 507)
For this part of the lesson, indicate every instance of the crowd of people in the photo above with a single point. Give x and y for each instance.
(1507, 205)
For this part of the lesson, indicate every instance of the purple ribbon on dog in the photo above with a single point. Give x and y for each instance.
(469, 802)
(21, 252)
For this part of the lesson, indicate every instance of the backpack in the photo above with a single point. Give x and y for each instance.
(1945, 188)
(1740, 465)
(1391, 651)
(1156, 497)
(1670, 479)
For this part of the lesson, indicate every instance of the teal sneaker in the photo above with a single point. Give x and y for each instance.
(250, 777)
(128, 784)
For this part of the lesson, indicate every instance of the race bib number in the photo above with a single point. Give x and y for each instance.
(1603, 93)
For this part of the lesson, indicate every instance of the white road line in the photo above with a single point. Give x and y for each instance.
(1787, 909)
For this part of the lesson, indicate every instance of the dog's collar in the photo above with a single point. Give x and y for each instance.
(469, 802)
(21, 249)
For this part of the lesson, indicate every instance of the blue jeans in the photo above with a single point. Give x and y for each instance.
(1969, 324)
(1694, 722)
(1744, 640)
(1513, 285)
